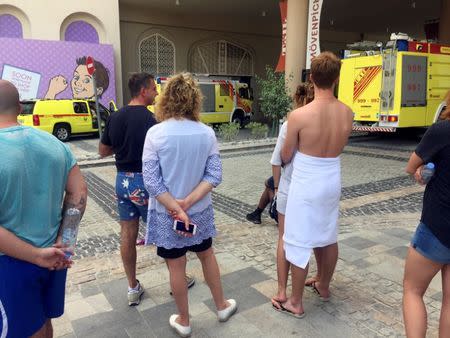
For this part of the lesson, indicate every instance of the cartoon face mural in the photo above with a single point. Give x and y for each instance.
(82, 84)
(57, 69)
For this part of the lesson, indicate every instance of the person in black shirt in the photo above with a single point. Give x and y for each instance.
(430, 247)
(124, 136)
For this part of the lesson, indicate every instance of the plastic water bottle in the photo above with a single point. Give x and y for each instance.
(427, 172)
(70, 223)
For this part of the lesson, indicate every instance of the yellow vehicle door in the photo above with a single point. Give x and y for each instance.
(366, 88)
(224, 101)
(81, 121)
(438, 81)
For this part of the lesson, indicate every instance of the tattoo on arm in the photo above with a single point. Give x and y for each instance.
(73, 202)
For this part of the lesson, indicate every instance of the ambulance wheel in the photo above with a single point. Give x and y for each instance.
(62, 132)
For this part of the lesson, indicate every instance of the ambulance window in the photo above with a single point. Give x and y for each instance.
(92, 107)
(27, 108)
(80, 108)
(224, 91)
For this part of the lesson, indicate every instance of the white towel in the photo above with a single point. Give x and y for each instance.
(313, 206)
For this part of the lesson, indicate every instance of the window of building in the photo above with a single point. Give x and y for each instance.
(157, 55)
(10, 26)
(221, 57)
(81, 31)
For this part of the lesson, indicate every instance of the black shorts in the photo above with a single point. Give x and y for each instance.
(179, 252)
(270, 184)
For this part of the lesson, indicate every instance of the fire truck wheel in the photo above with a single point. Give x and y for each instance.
(239, 119)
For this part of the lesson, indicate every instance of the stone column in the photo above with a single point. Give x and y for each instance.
(296, 37)
(444, 22)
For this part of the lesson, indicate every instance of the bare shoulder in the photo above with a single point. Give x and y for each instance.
(296, 114)
(345, 109)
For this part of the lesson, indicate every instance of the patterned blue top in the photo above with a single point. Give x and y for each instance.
(178, 155)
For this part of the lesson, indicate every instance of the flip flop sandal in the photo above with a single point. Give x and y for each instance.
(276, 303)
(316, 290)
(288, 312)
(311, 282)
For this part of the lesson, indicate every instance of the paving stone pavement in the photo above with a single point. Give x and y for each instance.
(380, 208)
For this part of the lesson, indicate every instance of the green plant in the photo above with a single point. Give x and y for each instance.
(229, 131)
(258, 130)
(274, 96)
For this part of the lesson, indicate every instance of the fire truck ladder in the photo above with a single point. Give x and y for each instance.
(389, 62)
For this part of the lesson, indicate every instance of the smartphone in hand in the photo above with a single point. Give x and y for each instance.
(180, 226)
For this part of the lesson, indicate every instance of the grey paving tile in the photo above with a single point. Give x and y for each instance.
(328, 325)
(237, 326)
(399, 252)
(158, 316)
(399, 232)
(140, 331)
(246, 297)
(91, 290)
(116, 294)
(107, 324)
(358, 243)
(361, 263)
(199, 292)
(166, 332)
(388, 269)
(275, 324)
(388, 240)
(243, 278)
(70, 335)
(349, 254)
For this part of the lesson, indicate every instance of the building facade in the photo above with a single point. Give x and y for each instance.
(163, 37)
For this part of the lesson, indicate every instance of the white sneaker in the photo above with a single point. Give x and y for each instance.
(183, 331)
(134, 296)
(225, 314)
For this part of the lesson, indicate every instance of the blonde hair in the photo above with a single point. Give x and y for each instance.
(446, 113)
(180, 98)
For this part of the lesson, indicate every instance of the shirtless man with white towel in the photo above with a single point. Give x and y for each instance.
(317, 133)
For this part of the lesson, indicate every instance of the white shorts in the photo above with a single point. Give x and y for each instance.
(297, 255)
(281, 202)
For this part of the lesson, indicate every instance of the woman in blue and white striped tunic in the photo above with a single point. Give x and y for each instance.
(181, 165)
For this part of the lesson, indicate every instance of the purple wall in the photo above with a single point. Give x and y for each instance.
(81, 31)
(10, 26)
(35, 66)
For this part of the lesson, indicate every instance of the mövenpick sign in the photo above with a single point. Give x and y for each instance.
(313, 42)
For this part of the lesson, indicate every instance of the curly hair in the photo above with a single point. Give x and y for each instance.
(180, 98)
(304, 94)
(446, 113)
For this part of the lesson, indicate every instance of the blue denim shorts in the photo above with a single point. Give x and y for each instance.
(427, 244)
(132, 198)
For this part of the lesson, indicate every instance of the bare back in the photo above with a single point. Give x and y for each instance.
(325, 126)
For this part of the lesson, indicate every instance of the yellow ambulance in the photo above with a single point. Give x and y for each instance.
(62, 118)
(224, 100)
(402, 86)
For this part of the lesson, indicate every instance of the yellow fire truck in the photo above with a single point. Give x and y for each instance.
(224, 100)
(400, 86)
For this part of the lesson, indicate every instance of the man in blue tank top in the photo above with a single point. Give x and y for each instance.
(38, 175)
